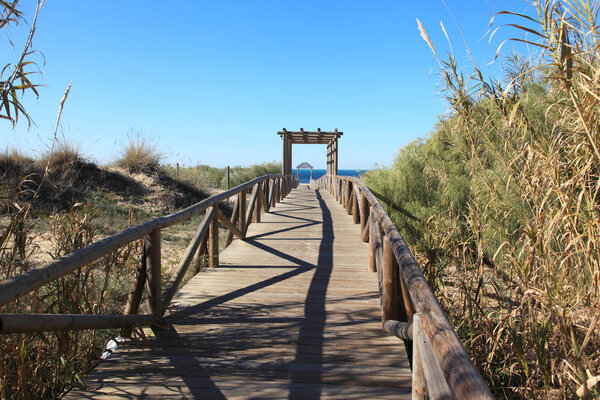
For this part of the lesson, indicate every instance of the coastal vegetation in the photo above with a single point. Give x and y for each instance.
(216, 178)
(501, 205)
(60, 202)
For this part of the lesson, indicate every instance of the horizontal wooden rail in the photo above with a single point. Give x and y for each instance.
(149, 273)
(21, 323)
(19, 285)
(402, 330)
(406, 292)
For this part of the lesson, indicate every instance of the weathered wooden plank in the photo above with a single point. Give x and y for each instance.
(237, 388)
(293, 304)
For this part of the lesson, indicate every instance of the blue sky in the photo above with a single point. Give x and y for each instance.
(213, 81)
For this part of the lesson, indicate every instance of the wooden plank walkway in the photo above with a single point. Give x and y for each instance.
(291, 313)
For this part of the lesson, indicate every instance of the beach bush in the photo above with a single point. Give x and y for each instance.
(501, 206)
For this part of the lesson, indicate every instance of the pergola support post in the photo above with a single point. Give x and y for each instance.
(335, 157)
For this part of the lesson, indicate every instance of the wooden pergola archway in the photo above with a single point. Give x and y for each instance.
(305, 137)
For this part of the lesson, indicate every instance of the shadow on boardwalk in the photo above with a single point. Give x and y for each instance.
(291, 313)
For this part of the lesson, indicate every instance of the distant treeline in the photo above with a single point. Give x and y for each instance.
(205, 176)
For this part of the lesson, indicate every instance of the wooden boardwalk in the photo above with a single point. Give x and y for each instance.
(292, 312)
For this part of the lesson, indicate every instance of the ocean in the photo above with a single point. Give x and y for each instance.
(317, 173)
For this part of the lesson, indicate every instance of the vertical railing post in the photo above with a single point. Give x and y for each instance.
(372, 259)
(364, 209)
(349, 192)
(234, 220)
(135, 296)
(228, 174)
(419, 385)
(213, 241)
(334, 188)
(254, 204)
(356, 215)
(389, 303)
(284, 185)
(266, 195)
(203, 250)
(258, 204)
(153, 271)
(281, 189)
(242, 211)
(406, 308)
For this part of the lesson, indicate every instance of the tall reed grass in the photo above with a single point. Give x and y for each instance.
(502, 206)
(45, 365)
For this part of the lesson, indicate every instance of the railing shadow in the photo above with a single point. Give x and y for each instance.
(315, 315)
(182, 368)
(197, 354)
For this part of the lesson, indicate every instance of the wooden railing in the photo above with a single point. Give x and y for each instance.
(266, 192)
(441, 368)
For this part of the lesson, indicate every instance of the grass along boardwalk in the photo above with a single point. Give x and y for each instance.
(292, 312)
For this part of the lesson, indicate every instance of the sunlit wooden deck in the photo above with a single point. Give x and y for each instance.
(292, 312)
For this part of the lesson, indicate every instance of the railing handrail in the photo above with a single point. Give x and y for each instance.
(26, 282)
(459, 371)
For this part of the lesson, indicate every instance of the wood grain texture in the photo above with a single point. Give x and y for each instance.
(292, 312)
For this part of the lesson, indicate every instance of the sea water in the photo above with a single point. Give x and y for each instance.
(317, 173)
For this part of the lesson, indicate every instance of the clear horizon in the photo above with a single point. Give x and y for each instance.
(212, 82)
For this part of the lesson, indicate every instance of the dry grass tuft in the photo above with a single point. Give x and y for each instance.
(64, 160)
(140, 156)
